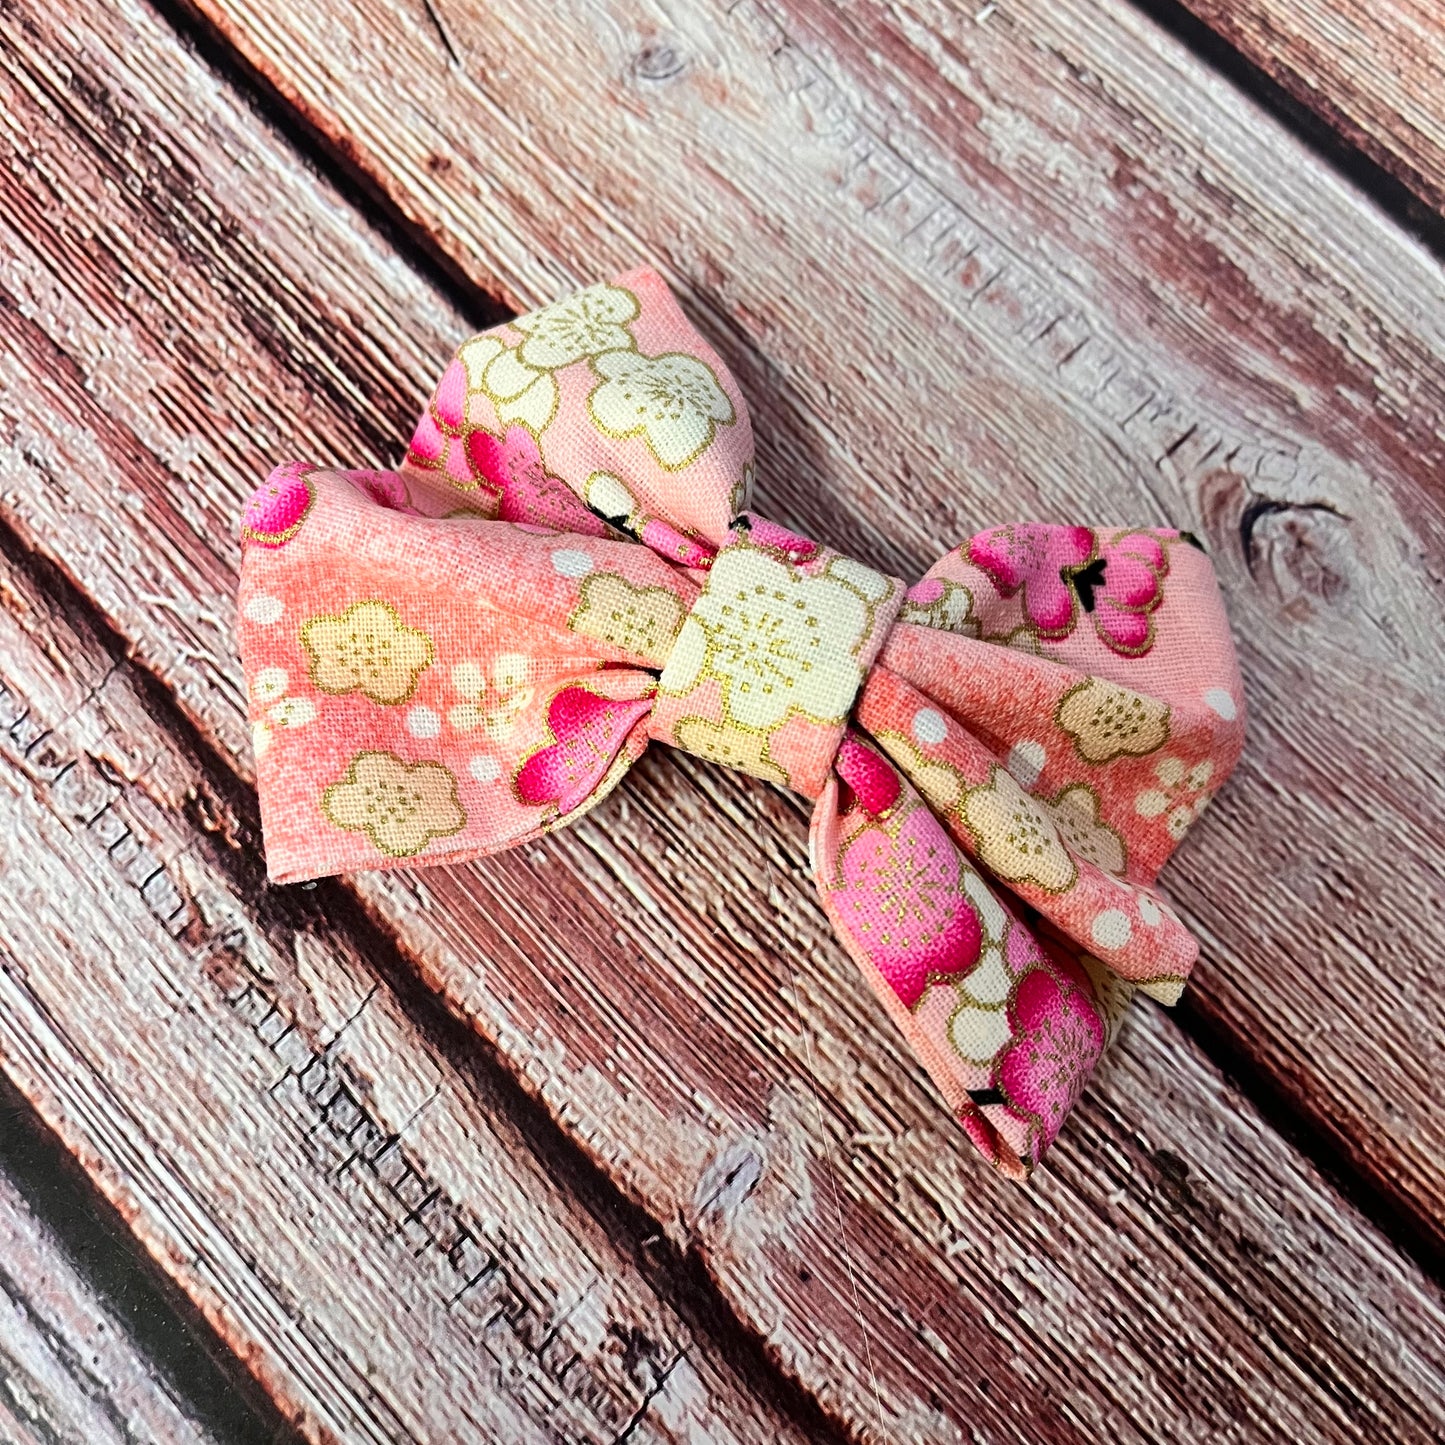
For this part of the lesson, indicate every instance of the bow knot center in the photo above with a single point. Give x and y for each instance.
(768, 663)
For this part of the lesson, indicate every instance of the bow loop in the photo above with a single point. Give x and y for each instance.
(452, 658)
(606, 410)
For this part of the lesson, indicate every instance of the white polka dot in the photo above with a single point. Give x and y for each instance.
(929, 726)
(484, 768)
(269, 684)
(1026, 761)
(265, 609)
(293, 712)
(422, 722)
(570, 563)
(1149, 912)
(1112, 929)
(260, 738)
(1220, 701)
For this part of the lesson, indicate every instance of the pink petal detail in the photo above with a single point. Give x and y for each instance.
(902, 904)
(871, 778)
(450, 400)
(589, 731)
(1035, 556)
(792, 545)
(667, 541)
(427, 443)
(1058, 1039)
(277, 507)
(529, 493)
(1123, 631)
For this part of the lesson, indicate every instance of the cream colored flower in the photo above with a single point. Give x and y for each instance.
(268, 684)
(494, 707)
(1076, 815)
(400, 807)
(367, 648)
(1015, 835)
(980, 1026)
(293, 712)
(640, 620)
(1107, 721)
(673, 399)
(1182, 794)
(731, 746)
(941, 784)
(517, 391)
(778, 641)
(592, 321)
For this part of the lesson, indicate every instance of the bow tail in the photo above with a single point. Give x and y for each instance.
(1047, 858)
(1004, 1017)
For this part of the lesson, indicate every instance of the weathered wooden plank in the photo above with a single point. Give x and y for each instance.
(1370, 70)
(1098, 283)
(343, 1201)
(70, 1369)
(765, 1119)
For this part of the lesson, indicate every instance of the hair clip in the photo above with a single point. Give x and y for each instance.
(455, 657)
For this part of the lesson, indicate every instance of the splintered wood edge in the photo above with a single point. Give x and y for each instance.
(903, 1186)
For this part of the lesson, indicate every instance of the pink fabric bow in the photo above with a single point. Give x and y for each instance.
(450, 659)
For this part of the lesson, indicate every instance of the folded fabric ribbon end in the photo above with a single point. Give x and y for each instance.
(452, 658)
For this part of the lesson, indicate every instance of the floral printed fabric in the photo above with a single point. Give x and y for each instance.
(452, 658)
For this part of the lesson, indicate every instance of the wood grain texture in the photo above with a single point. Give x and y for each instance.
(70, 1371)
(1102, 285)
(1180, 1272)
(344, 1203)
(1370, 68)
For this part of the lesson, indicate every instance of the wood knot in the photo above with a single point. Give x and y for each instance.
(1302, 553)
(658, 62)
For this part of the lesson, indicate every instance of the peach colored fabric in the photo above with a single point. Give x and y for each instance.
(451, 658)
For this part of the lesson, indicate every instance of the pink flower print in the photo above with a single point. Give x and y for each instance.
(1039, 559)
(514, 469)
(902, 902)
(667, 541)
(788, 546)
(589, 730)
(1058, 1039)
(386, 489)
(873, 781)
(437, 442)
(278, 506)
(1021, 948)
(1058, 569)
(1123, 608)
